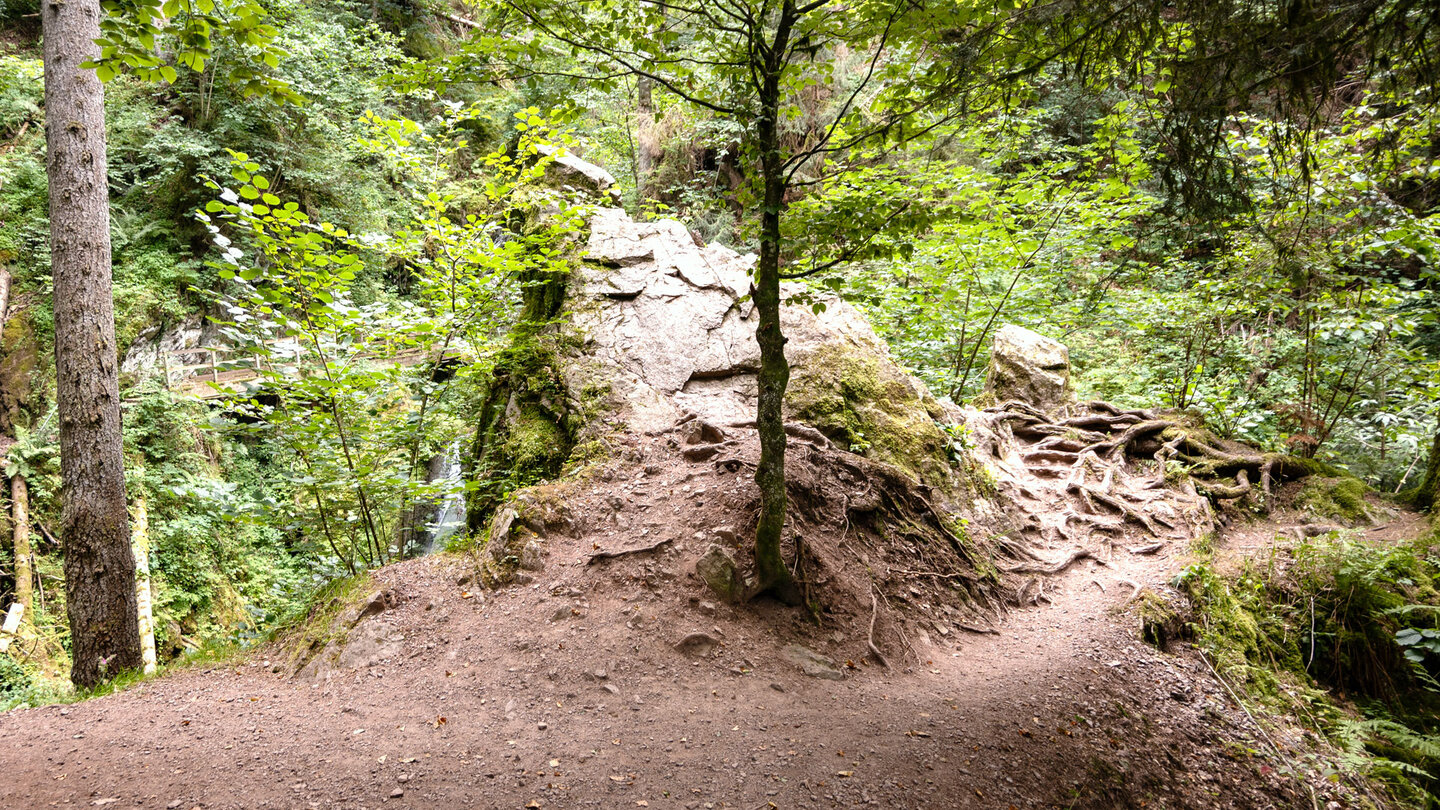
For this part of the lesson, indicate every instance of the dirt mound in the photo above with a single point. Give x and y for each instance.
(651, 365)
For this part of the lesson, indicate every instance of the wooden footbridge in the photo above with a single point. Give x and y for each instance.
(216, 372)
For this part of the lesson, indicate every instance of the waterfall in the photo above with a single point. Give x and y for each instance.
(448, 515)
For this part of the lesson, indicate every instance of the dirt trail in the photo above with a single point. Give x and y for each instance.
(569, 691)
(1064, 708)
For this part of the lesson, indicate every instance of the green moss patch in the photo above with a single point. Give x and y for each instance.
(869, 407)
(1335, 498)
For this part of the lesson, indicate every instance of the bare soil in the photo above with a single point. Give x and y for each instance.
(569, 690)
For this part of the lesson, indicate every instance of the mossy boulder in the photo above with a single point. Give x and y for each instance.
(1340, 498)
(514, 541)
(529, 424)
(866, 404)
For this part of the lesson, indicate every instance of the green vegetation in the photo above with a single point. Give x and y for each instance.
(1330, 626)
(352, 199)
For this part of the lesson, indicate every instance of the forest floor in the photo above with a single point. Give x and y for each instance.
(570, 691)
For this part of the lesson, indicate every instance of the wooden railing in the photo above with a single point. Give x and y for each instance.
(225, 371)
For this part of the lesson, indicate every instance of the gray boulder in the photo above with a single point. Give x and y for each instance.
(1029, 367)
(668, 331)
(569, 171)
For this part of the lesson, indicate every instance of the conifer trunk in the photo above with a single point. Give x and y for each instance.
(95, 532)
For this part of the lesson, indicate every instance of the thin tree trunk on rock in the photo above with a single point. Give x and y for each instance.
(20, 517)
(95, 532)
(774, 375)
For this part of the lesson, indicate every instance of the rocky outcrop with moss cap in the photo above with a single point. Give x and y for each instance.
(666, 324)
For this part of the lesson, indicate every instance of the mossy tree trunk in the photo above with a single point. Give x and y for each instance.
(774, 376)
(1429, 493)
(24, 574)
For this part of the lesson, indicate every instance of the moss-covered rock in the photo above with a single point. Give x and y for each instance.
(864, 403)
(1339, 498)
(526, 427)
(514, 539)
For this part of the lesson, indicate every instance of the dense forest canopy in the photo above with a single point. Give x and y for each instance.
(1227, 211)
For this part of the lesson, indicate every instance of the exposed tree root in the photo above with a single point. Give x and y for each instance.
(1054, 567)
(870, 639)
(610, 555)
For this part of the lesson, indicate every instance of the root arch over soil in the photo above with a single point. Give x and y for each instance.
(1099, 471)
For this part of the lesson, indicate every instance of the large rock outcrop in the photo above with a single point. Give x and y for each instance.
(667, 326)
(655, 337)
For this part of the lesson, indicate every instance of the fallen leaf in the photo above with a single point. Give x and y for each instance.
(845, 774)
(617, 779)
(468, 595)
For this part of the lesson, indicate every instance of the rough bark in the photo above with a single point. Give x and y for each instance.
(99, 566)
(20, 519)
(1429, 492)
(774, 374)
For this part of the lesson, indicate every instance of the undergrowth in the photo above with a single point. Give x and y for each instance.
(1339, 632)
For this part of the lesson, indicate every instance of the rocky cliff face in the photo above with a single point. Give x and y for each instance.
(666, 325)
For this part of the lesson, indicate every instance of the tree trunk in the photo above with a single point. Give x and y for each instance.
(4, 296)
(145, 616)
(774, 376)
(647, 151)
(24, 573)
(95, 533)
(1429, 493)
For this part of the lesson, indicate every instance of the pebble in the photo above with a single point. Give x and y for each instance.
(397, 793)
(542, 725)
